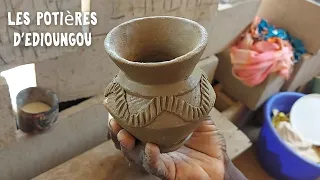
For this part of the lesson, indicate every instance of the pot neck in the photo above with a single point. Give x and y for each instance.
(176, 89)
(159, 73)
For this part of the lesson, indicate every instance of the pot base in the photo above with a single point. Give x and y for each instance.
(176, 146)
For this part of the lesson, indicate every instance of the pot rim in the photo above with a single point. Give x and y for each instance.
(198, 49)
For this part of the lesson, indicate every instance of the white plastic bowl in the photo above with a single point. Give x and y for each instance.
(305, 118)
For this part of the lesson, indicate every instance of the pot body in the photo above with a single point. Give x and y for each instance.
(162, 114)
(159, 96)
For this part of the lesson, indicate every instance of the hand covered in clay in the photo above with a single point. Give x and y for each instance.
(202, 157)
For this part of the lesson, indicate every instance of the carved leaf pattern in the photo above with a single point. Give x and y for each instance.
(159, 104)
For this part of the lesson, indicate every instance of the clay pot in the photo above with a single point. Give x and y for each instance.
(158, 96)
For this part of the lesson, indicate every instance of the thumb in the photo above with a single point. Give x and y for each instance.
(153, 163)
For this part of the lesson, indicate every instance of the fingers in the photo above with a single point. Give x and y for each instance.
(120, 136)
(153, 163)
(206, 125)
(135, 156)
(207, 139)
(127, 141)
(146, 157)
(114, 128)
(151, 157)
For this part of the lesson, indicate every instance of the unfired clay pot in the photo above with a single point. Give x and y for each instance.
(158, 96)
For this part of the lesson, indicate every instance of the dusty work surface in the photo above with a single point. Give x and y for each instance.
(106, 162)
(248, 164)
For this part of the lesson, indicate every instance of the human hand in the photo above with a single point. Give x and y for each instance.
(203, 156)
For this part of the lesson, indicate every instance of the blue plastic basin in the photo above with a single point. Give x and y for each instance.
(275, 157)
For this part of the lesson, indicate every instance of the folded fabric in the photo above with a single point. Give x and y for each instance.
(264, 31)
(262, 50)
(297, 143)
(254, 60)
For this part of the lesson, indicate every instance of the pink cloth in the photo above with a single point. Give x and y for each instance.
(253, 60)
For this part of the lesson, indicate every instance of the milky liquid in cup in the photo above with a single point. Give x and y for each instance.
(35, 107)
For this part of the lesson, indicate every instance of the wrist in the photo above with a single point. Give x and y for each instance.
(231, 171)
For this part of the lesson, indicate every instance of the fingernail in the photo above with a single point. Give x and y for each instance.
(123, 147)
(121, 136)
(110, 125)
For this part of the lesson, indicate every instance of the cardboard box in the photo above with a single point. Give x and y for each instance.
(301, 19)
(282, 14)
(252, 97)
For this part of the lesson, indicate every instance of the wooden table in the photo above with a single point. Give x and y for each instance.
(248, 164)
(105, 162)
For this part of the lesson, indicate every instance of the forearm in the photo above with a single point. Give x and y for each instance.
(232, 172)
